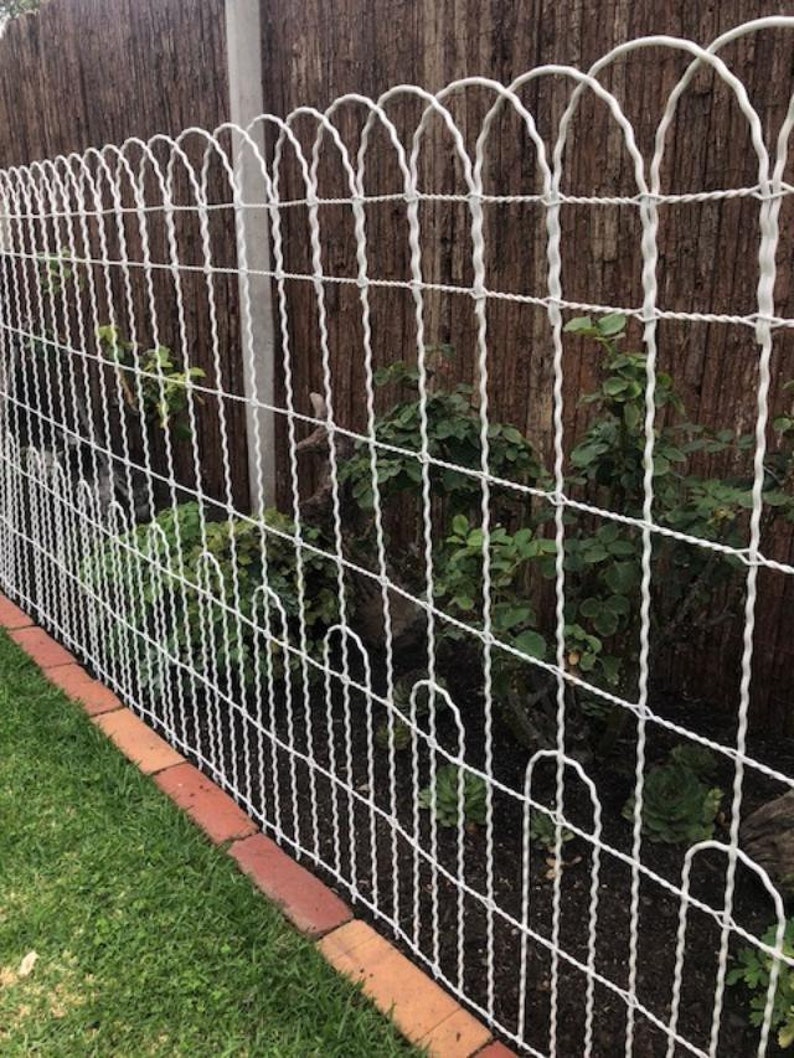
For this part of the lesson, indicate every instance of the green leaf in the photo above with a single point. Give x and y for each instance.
(612, 325)
(661, 466)
(611, 668)
(608, 532)
(506, 616)
(511, 434)
(464, 603)
(451, 480)
(460, 525)
(590, 607)
(580, 325)
(531, 643)
(785, 1036)
(593, 553)
(618, 604)
(606, 622)
(585, 454)
(622, 547)
(631, 416)
(622, 577)
(614, 386)
(776, 498)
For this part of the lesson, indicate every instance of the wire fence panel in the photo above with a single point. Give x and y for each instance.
(431, 669)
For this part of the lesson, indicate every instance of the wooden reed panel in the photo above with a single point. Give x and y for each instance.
(84, 73)
(708, 251)
(131, 68)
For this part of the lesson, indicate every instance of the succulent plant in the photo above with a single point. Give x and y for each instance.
(447, 797)
(543, 831)
(677, 808)
(399, 736)
(695, 758)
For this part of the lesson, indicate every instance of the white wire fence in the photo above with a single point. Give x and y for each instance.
(428, 666)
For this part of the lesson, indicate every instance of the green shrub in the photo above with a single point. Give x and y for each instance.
(603, 558)
(153, 382)
(453, 436)
(169, 589)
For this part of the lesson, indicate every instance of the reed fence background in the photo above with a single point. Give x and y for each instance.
(86, 72)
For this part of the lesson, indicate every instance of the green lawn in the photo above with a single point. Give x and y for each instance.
(149, 941)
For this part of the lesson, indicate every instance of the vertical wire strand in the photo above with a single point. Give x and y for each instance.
(117, 214)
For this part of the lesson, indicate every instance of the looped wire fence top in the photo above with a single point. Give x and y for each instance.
(455, 628)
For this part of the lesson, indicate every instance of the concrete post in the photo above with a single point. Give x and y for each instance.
(244, 56)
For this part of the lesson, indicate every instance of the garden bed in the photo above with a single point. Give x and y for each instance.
(429, 906)
(249, 605)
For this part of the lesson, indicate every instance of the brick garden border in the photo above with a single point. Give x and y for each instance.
(423, 1012)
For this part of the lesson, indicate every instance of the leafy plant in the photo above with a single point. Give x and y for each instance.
(543, 830)
(695, 758)
(754, 972)
(611, 453)
(58, 276)
(453, 428)
(57, 272)
(200, 575)
(602, 557)
(414, 698)
(603, 562)
(458, 587)
(677, 808)
(15, 8)
(153, 382)
(444, 798)
(398, 736)
(460, 579)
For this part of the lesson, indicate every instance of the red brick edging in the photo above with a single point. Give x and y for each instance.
(420, 1008)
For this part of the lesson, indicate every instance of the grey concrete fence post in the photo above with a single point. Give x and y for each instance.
(244, 56)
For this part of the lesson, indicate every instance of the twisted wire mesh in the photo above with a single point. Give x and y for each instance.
(82, 475)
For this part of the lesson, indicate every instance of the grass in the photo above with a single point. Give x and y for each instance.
(149, 941)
